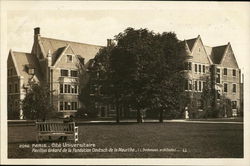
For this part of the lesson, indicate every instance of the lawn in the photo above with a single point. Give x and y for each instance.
(180, 140)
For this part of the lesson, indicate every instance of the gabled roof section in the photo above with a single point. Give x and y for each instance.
(24, 60)
(190, 43)
(56, 46)
(218, 53)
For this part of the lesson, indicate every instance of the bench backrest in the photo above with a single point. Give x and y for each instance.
(55, 126)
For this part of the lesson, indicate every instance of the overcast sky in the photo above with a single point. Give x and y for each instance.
(94, 22)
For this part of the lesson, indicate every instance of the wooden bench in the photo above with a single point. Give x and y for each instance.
(57, 129)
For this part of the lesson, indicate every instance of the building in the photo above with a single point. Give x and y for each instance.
(53, 62)
(219, 65)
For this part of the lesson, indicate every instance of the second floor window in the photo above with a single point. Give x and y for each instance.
(225, 71)
(73, 73)
(203, 68)
(200, 68)
(234, 72)
(234, 88)
(64, 73)
(195, 67)
(67, 88)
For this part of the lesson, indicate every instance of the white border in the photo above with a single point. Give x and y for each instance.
(78, 5)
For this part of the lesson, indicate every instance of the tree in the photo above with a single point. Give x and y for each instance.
(143, 70)
(146, 70)
(208, 98)
(37, 105)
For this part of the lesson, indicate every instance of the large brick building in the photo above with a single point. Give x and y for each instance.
(220, 66)
(55, 63)
(51, 61)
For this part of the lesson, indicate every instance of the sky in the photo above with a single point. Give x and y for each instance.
(94, 22)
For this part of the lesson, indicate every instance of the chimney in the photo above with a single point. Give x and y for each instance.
(108, 42)
(37, 31)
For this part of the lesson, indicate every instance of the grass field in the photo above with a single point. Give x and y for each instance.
(183, 140)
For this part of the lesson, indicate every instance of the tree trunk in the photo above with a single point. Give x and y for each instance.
(161, 116)
(139, 116)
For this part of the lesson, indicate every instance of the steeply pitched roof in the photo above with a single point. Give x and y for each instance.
(190, 43)
(56, 46)
(24, 60)
(208, 50)
(217, 53)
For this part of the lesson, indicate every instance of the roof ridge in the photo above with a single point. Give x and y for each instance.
(72, 41)
(220, 46)
(21, 52)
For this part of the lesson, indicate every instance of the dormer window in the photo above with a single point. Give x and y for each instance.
(69, 58)
(30, 69)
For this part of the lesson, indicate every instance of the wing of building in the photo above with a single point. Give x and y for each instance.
(53, 62)
(219, 65)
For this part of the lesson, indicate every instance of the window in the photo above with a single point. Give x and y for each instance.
(61, 105)
(234, 88)
(195, 67)
(64, 72)
(73, 73)
(69, 58)
(31, 71)
(218, 70)
(190, 65)
(234, 72)
(225, 87)
(234, 104)
(200, 68)
(218, 94)
(10, 88)
(195, 86)
(186, 84)
(76, 89)
(186, 66)
(204, 85)
(73, 105)
(218, 78)
(204, 68)
(225, 71)
(16, 88)
(61, 88)
(10, 72)
(68, 106)
(67, 88)
(199, 85)
(190, 84)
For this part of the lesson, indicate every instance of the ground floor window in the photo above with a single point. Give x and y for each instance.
(67, 105)
(234, 104)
